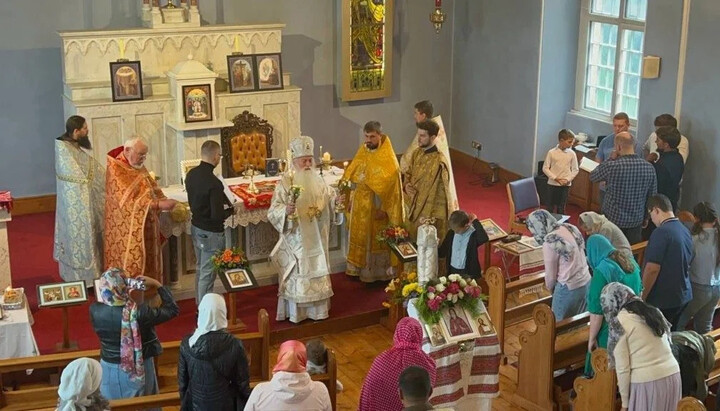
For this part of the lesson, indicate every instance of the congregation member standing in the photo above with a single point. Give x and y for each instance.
(376, 201)
(650, 148)
(561, 167)
(125, 325)
(78, 245)
(210, 207)
(133, 202)
(459, 248)
(670, 166)
(606, 149)
(704, 270)
(426, 182)
(666, 276)
(630, 182)
(648, 376)
(566, 270)
(213, 369)
(591, 223)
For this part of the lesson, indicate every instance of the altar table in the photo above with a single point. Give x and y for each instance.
(467, 377)
(16, 335)
(258, 236)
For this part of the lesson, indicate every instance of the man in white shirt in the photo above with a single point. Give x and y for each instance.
(650, 147)
(561, 167)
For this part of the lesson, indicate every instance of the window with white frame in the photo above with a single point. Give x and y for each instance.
(610, 51)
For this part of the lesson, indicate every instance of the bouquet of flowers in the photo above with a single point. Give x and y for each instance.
(393, 234)
(229, 259)
(294, 192)
(446, 292)
(402, 288)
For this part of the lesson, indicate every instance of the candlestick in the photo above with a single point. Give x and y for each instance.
(326, 156)
(121, 45)
(345, 164)
(237, 43)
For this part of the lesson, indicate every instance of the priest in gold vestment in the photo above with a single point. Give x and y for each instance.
(133, 202)
(78, 245)
(424, 111)
(426, 182)
(375, 202)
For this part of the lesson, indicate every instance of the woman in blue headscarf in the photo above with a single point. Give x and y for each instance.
(609, 265)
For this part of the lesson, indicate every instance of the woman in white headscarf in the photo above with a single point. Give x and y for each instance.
(80, 387)
(213, 369)
(594, 223)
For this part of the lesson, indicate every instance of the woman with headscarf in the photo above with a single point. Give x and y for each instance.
(648, 376)
(291, 388)
(80, 387)
(213, 368)
(566, 269)
(609, 265)
(125, 325)
(380, 389)
(591, 223)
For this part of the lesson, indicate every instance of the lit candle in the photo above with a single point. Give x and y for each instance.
(321, 149)
(326, 156)
(121, 45)
(237, 43)
(345, 164)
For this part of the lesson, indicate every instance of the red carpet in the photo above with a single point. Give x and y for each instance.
(31, 244)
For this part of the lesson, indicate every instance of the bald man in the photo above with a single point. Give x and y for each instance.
(133, 202)
(630, 181)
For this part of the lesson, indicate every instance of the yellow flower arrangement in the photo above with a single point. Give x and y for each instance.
(402, 288)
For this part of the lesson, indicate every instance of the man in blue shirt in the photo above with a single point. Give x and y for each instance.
(606, 148)
(630, 182)
(666, 276)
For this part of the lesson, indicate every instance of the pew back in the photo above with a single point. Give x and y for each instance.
(598, 392)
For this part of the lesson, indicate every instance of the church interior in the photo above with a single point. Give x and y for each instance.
(395, 204)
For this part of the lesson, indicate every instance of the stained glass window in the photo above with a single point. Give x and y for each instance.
(367, 45)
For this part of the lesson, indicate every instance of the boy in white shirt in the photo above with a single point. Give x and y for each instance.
(561, 167)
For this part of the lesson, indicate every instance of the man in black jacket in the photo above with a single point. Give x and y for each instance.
(460, 246)
(670, 166)
(207, 203)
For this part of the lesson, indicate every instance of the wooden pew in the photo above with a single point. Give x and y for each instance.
(500, 315)
(172, 399)
(638, 251)
(597, 393)
(44, 394)
(691, 404)
(552, 346)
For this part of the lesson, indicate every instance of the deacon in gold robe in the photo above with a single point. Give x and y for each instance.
(426, 182)
(375, 202)
(424, 111)
(80, 205)
(133, 202)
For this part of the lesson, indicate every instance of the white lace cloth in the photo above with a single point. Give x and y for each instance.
(427, 247)
(241, 217)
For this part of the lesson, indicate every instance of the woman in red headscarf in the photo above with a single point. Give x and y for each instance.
(290, 388)
(380, 389)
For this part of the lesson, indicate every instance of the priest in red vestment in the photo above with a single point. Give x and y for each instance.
(133, 202)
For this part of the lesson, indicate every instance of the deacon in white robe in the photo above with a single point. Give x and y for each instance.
(301, 254)
(80, 207)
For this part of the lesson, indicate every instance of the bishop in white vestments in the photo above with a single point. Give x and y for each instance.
(301, 254)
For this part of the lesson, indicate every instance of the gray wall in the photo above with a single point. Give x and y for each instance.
(31, 65)
(495, 78)
(557, 71)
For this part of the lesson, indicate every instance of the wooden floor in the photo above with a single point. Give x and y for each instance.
(355, 351)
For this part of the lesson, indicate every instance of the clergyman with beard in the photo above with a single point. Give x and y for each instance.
(301, 254)
(376, 202)
(426, 183)
(133, 202)
(79, 211)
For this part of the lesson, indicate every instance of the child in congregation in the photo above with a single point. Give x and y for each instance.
(459, 248)
(704, 269)
(560, 167)
(317, 359)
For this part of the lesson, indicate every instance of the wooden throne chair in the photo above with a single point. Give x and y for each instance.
(248, 142)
